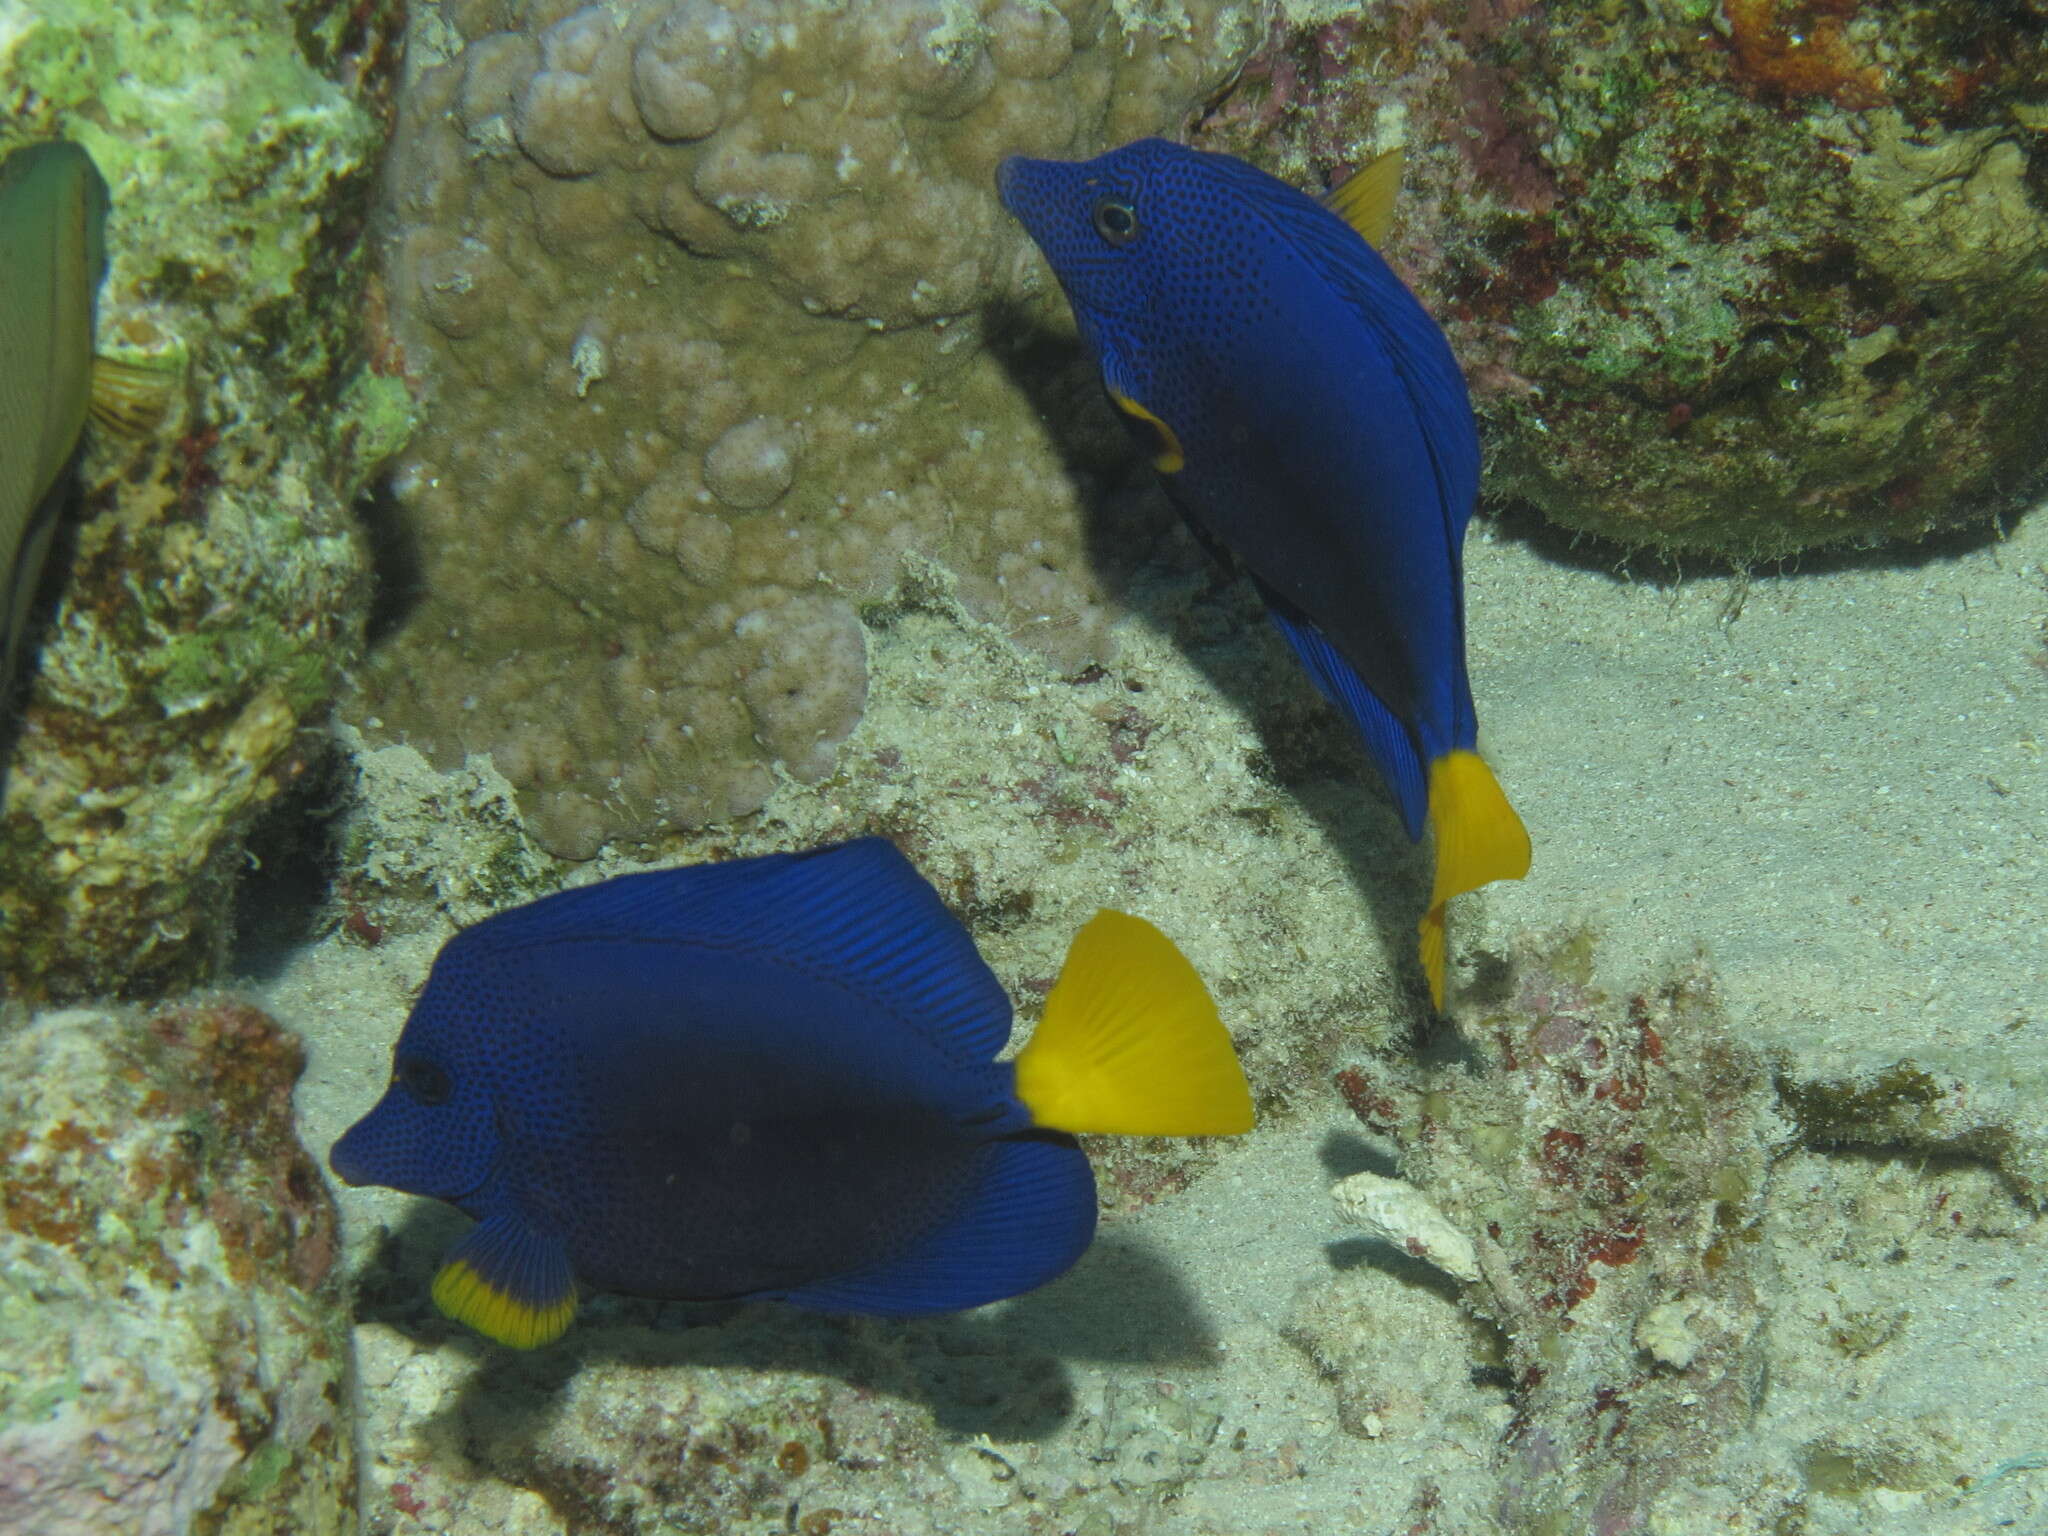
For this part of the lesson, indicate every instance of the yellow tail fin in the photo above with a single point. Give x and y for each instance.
(1365, 199)
(1130, 1044)
(1479, 839)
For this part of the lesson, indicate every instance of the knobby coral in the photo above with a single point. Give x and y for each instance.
(700, 296)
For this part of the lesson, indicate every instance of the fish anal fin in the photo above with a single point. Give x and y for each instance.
(1168, 456)
(129, 398)
(1029, 1216)
(18, 593)
(1130, 1043)
(1479, 839)
(1378, 726)
(509, 1283)
(1365, 198)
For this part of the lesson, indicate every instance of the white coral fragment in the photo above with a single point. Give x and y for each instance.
(1665, 1333)
(587, 358)
(1400, 1214)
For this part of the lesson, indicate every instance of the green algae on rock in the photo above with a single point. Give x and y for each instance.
(219, 584)
(1743, 280)
(850, 1428)
(1906, 1106)
(698, 295)
(171, 1313)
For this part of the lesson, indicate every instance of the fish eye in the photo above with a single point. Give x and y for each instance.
(427, 1081)
(1116, 220)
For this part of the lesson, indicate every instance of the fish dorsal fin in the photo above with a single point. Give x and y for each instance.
(1365, 198)
(857, 914)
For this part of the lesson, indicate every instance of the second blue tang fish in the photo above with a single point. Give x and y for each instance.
(1309, 418)
(774, 1077)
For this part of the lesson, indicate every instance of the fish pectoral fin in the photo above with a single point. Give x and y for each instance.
(509, 1283)
(1479, 839)
(1365, 198)
(129, 398)
(1167, 456)
(1130, 1043)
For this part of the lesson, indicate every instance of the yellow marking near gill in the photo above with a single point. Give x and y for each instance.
(469, 1298)
(1479, 839)
(1170, 457)
(1130, 1044)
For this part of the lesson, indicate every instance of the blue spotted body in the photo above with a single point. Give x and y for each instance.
(773, 1078)
(1310, 420)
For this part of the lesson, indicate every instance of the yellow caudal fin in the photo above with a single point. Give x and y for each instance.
(1479, 839)
(1365, 198)
(1130, 1044)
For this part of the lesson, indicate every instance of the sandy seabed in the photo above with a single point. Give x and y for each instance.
(1831, 785)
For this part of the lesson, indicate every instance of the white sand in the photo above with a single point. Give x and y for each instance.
(1840, 797)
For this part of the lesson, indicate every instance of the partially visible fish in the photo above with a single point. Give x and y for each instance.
(1309, 419)
(53, 256)
(53, 215)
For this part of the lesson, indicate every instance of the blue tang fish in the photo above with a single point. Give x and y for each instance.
(1308, 419)
(776, 1078)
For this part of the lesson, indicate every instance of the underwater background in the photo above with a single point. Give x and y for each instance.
(634, 432)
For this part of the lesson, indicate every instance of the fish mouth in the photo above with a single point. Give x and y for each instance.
(381, 1152)
(344, 1163)
(356, 1169)
(1012, 175)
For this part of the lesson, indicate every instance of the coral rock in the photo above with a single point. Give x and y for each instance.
(1614, 1160)
(220, 581)
(1747, 287)
(171, 1316)
(1402, 1215)
(773, 226)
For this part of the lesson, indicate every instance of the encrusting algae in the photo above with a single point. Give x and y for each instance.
(1735, 281)
(219, 584)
